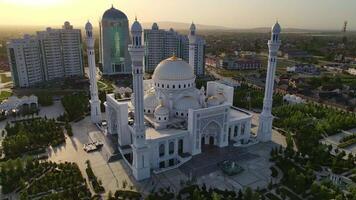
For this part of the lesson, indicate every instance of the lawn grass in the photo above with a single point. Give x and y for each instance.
(4, 95)
(106, 85)
(101, 85)
(4, 78)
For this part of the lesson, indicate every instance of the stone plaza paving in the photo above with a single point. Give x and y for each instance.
(253, 159)
(112, 175)
(208, 161)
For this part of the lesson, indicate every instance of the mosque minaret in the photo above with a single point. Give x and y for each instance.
(265, 121)
(141, 165)
(192, 44)
(168, 121)
(94, 98)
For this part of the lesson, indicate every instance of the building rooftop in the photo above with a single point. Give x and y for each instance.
(114, 14)
(237, 114)
(152, 134)
(173, 69)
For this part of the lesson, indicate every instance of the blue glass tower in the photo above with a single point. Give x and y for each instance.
(114, 41)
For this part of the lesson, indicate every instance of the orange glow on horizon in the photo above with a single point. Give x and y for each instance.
(227, 13)
(34, 3)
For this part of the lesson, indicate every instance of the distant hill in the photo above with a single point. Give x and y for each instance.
(182, 26)
(285, 30)
(185, 26)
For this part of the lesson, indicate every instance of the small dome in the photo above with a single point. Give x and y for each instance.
(66, 24)
(276, 28)
(155, 26)
(114, 14)
(136, 26)
(187, 103)
(173, 69)
(150, 101)
(88, 26)
(192, 27)
(161, 110)
(216, 100)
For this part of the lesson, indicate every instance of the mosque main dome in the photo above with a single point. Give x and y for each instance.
(173, 69)
(114, 14)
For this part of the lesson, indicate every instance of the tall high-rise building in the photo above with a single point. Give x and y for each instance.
(155, 42)
(114, 41)
(51, 54)
(172, 44)
(25, 61)
(71, 43)
(61, 51)
(199, 60)
(161, 44)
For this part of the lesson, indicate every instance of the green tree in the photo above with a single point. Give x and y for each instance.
(215, 196)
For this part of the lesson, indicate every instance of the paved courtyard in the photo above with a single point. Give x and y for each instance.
(112, 174)
(207, 162)
(255, 162)
(253, 159)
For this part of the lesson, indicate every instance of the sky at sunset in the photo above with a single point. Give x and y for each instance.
(311, 14)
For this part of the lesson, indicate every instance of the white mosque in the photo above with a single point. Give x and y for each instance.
(168, 120)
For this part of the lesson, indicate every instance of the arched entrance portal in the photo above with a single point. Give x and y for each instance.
(203, 140)
(211, 140)
(210, 135)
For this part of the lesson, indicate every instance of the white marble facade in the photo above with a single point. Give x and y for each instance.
(179, 119)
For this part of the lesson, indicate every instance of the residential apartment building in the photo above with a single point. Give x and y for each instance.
(234, 63)
(199, 61)
(25, 61)
(161, 44)
(71, 42)
(54, 53)
(51, 53)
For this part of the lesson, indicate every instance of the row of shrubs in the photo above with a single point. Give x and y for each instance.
(347, 138)
(347, 143)
(98, 188)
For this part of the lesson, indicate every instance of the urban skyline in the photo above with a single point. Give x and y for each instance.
(293, 14)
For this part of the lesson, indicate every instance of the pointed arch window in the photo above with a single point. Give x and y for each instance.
(161, 150)
(171, 148)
